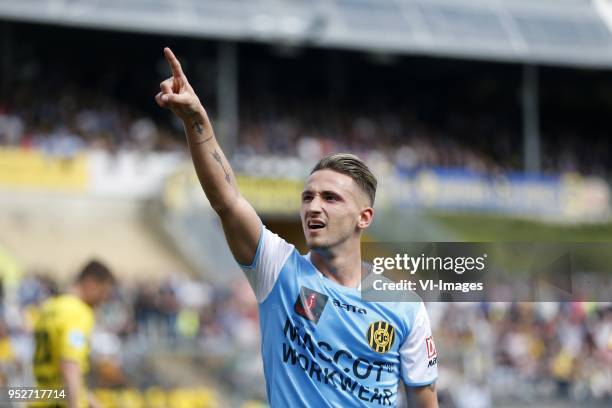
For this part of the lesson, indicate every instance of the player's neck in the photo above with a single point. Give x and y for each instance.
(342, 265)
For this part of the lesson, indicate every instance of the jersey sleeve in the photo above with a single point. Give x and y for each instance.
(418, 356)
(74, 340)
(272, 253)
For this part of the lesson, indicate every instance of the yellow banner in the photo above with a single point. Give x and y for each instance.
(30, 169)
(272, 196)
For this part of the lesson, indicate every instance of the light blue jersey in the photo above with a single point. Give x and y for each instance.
(323, 346)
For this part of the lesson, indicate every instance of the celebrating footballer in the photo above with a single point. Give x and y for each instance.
(322, 345)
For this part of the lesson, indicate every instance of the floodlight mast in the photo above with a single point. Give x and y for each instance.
(531, 119)
(227, 96)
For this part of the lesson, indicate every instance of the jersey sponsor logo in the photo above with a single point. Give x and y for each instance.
(310, 304)
(349, 308)
(337, 368)
(380, 336)
(431, 347)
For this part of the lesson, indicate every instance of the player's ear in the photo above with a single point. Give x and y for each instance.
(365, 217)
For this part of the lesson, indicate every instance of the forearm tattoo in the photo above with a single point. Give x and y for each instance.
(196, 125)
(218, 159)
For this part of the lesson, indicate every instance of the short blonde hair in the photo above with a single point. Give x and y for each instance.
(352, 166)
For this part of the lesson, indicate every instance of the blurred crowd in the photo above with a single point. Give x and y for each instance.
(481, 142)
(76, 119)
(396, 136)
(525, 351)
(420, 131)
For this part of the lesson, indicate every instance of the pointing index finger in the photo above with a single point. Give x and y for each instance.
(175, 65)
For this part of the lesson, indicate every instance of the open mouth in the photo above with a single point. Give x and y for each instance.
(316, 225)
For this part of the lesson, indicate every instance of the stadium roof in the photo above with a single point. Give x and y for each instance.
(557, 32)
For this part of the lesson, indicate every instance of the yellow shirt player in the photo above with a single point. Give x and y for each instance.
(62, 334)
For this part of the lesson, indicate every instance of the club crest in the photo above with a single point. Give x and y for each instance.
(380, 336)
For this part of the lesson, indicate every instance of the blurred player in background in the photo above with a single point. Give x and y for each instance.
(321, 344)
(62, 336)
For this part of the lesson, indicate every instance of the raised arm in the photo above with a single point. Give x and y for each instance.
(241, 224)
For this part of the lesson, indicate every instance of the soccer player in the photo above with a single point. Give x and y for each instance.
(322, 345)
(62, 336)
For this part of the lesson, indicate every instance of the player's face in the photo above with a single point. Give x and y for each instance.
(98, 292)
(332, 209)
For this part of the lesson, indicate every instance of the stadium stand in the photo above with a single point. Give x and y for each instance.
(428, 134)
